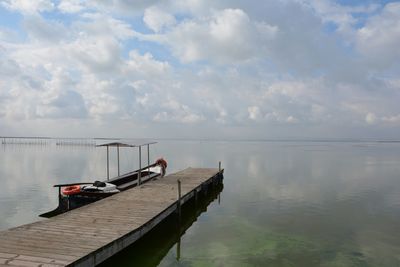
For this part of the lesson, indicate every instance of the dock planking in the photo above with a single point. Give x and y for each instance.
(91, 234)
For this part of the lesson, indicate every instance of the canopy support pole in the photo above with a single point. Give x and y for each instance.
(148, 159)
(118, 157)
(108, 164)
(140, 165)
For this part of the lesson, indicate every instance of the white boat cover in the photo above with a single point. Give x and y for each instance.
(109, 188)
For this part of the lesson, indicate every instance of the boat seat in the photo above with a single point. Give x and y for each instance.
(127, 185)
(134, 182)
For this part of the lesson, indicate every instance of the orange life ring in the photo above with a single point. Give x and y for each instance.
(71, 190)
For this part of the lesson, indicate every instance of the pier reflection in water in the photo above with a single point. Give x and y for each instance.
(155, 245)
(288, 203)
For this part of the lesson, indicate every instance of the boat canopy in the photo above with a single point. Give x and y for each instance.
(127, 143)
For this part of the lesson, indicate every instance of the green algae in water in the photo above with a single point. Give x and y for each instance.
(250, 245)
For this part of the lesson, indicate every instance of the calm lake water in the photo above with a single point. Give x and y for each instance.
(283, 203)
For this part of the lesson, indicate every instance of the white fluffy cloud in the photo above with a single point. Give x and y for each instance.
(177, 112)
(226, 36)
(31, 6)
(341, 15)
(379, 39)
(395, 119)
(124, 7)
(40, 29)
(71, 6)
(187, 66)
(157, 19)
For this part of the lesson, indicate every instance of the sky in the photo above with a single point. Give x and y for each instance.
(237, 69)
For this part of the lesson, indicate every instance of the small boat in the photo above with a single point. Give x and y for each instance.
(72, 196)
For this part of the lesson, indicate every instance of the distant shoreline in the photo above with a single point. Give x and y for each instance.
(316, 140)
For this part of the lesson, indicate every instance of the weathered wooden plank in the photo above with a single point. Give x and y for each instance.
(41, 260)
(36, 241)
(70, 231)
(90, 234)
(73, 241)
(42, 248)
(21, 251)
(39, 253)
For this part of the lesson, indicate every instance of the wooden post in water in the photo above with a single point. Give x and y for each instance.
(219, 168)
(179, 199)
(178, 245)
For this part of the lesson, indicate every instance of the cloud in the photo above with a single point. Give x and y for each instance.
(43, 30)
(293, 101)
(145, 65)
(231, 37)
(238, 67)
(379, 39)
(341, 15)
(101, 25)
(157, 20)
(395, 119)
(124, 7)
(71, 6)
(181, 115)
(193, 7)
(67, 104)
(95, 54)
(30, 7)
(8, 35)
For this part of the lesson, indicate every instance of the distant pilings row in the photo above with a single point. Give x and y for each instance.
(75, 142)
(25, 141)
(44, 141)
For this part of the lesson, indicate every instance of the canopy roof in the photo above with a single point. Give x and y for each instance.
(127, 144)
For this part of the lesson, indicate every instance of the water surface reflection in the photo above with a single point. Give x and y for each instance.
(166, 237)
(283, 203)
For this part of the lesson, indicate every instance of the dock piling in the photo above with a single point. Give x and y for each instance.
(179, 198)
(178, 247)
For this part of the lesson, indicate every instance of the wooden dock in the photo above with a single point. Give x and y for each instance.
(91, 234)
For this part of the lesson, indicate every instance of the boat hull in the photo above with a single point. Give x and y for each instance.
(123, 182)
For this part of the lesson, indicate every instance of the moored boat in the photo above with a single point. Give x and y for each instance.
(75, 195)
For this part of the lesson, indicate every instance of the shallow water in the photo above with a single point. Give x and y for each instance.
(283, 203)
